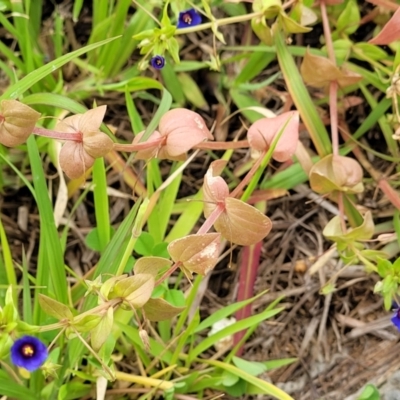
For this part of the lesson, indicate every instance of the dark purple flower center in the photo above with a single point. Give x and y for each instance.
(187, 18)
(28, 351)
(158, 61)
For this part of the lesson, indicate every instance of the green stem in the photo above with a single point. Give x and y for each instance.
(220, 22)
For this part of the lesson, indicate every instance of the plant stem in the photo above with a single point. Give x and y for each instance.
(220, 22)
(76, 137)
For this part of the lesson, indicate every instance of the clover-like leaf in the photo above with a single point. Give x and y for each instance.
(135, 290)
(85, 323)
(197, 253)
(54, 308)
(334, 231)
(390, 32)
(239, 222)
(242, 223)
(17, 121)
(184, 129)
(336, 173)
(263, 132)
(290, 25)
(160, 310)
(319, 71)
(151, 265)
(107, 287)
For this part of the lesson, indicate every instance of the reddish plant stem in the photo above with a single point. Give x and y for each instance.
(130, 147)
(240, 144)
(333, 87)
(170, 271)
(247, 277)
(76, 137)
(210, 221)
(248, 176)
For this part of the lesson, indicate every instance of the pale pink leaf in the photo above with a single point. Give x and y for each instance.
(197, 253)
(184, 130)
(262, 133)
(241, 223)
(390, 32)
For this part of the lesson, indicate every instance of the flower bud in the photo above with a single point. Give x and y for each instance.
(17, 121)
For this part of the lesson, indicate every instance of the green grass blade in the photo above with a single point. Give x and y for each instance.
(225, 312)
(101, 203)
(33, 77)
(301, 98)
(188, 219)
(12, 390)
(50, 269)
(232, 329)
(7, 257)
(266, 387)
(26, 294)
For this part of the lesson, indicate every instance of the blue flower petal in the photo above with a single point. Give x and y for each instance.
(28, 352)
(396, 320)
(157, 62)
(188, 18)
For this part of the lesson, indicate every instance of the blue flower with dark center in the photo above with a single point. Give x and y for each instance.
(396, 319)
(157, 62)
(28, 352)
(189, 18)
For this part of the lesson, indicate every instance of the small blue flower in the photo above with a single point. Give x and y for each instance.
(157, 62)
(28, 352)
(396, 319)
(189, 18)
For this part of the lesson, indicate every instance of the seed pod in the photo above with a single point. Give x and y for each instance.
(17, 121)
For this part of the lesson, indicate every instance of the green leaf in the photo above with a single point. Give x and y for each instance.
(252, 367)
(361, 50)
(290, 25)
(266, 387)
(13, 390)
(85, 323)
(349, 19)
(54, 308)
(333, 230)
(135, 290)
(370, 392)
(232, 329)
(144, 244)
(192, 92)
(226, 312)
(384, 267)
(92, 239)
(29, 80)
(100, 333)
(173, 48)
(151, 265)
(160, 310)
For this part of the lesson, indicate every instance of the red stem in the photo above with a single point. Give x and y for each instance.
(240, 144)
(248, 176)
(76, 137)
(247, 277)
(139, 146)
